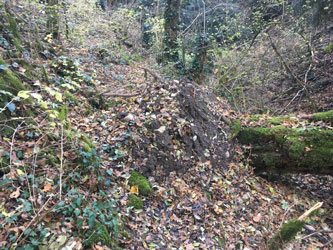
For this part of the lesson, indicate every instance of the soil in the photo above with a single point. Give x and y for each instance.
(193, 133)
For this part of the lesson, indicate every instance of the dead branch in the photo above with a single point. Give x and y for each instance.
(155, 75)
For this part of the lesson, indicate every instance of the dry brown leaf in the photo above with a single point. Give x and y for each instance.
(15, 194)
(189, 247)
(97, 247)
(47, 187)
(256, 218)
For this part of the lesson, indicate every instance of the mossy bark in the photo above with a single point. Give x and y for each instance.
(53, 18)
(10, 85)
(15, 34)
(171, 29)
(279, 149)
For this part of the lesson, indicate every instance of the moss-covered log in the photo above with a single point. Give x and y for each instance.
(281, 149)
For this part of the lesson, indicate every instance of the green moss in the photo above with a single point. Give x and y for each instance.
(319, 148)
(254, 118)
(236, 128)
(70, 97)
(254, 135)
(296, 147)
(89, 143)
(9, 82)
(139, 180)
(4, 165)
(286, 234)
(62, 113)
(100, 234)
(324, 116)
(12, 27)
(269, 160)
(86, 148)
(275, 120)
(311, 148)
(10, 85)
(135, 201)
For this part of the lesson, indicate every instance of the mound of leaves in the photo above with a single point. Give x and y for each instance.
(179, 125)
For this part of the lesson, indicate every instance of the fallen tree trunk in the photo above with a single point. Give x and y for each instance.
(279, 148)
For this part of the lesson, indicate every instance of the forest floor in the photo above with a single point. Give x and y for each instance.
(203, 207)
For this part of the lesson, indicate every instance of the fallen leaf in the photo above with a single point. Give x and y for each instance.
(97, 247)
(256, 218)
(189, 247)
(47, 218)
(15, 194)
(161, 129)
(134, 190)
(47, 187)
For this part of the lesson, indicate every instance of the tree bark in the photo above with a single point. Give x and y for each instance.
(53, 18)
(171, 29)
(277, 148)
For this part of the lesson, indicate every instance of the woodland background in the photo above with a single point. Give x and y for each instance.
(166, 124)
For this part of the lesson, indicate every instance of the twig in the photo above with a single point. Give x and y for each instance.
(12, 144)
(61, 160)
(327, 243)
(285, 65)
(307, 213)
(288, 69)
(298, 92)
(30, 192)
(15, 119)
(285, 214)
(43, 216)
(306, 74)
(32, 221)
(317, 232)
(155, 75)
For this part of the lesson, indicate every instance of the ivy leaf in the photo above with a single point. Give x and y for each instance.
(109, 172)
(36, 96)
(20, 172)
(11, 107)
(58, 97)
(44, 105)
(15, 65)
(23, 94)
(3, 67)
